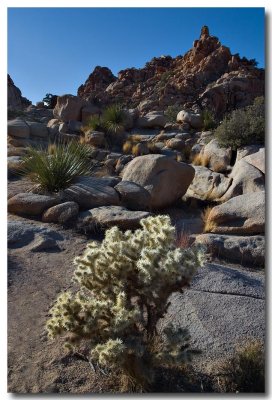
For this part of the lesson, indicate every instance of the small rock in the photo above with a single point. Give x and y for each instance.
(61, 213)
(106, 217)
(31, 204)
(218, 157)
(133, 196)
(175, 144)
(194, 120)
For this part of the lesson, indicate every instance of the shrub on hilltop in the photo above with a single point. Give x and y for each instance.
(243, 126)
(124, 288)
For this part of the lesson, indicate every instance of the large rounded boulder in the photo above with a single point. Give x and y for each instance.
(164, 178)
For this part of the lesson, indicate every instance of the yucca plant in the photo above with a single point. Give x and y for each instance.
(114, 119)
(56, 167)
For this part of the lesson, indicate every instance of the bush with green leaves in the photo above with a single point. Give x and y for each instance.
(243, 126)
(94, 123)
(124, 288)
(208, 120)
(171, 113)
(57, 166)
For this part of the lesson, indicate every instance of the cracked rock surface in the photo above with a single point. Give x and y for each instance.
(224, 306)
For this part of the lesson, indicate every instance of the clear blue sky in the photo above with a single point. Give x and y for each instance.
(53, 50)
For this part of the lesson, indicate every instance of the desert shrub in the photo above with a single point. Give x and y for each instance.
(94, 123)
(208, 120)
(171, 113)
(243, 126)
(56, 167)
(124, 286)
(245, 371)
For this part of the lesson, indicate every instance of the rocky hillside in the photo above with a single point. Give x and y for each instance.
(15, 99)
(207, 77)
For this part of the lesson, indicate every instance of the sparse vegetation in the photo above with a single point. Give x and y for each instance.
(56, 167)
(94, 123)
(208, 120)
(201, 159)
(243, 126)
(171, 113)
(125, 283)
(208, 224)
(127, 146)
(245, 371)
(12, 114)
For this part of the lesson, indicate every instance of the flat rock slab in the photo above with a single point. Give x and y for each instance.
(107, 217)
(244, 250)
(223, 308)
(91, 192)
(21, 234)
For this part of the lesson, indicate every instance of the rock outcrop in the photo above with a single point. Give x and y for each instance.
(15, 99)
(207, 77)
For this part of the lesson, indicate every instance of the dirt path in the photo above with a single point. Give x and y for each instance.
(34, 363)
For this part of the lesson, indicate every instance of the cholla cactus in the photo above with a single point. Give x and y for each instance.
(125, 283)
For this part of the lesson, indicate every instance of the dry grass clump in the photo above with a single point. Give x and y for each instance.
(127, 147)
(136, 150)
(209, 225)
(245, 371)
(201, 159)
